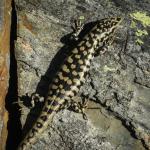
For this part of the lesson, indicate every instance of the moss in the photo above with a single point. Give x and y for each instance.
(142, 17)
(133, 24)
(106, 69)
(139, 41)
(144, 20)
(141, 32)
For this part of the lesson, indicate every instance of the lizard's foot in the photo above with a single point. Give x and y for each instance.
(18, 103)
(77, 27)
(21, 108)
(35, 98)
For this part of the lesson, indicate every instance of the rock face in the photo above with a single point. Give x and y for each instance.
(5, 23)
(118, 84)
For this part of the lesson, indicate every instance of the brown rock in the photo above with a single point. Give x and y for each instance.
(5, 22)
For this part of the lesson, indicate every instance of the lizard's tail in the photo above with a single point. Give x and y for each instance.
(50, 108)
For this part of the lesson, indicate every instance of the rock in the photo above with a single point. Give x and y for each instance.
(118, 80)
(5, 23)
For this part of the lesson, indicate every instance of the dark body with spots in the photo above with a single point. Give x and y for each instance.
(71, 75)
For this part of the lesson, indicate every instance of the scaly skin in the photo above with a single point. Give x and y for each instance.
(71, 75)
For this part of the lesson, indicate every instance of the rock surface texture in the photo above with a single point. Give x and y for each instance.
(118, 84)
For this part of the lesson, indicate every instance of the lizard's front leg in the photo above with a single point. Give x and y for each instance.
(101, 49)
(77, 27)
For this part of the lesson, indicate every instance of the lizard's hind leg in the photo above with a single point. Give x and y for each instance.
(35, 97)
(78, 107)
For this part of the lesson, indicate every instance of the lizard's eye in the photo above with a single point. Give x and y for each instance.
(118, 19)
(114, 23)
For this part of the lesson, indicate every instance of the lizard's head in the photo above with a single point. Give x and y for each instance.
(102, 34)
(104, 31)
(108, 25)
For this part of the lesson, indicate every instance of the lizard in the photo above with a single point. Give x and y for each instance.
(71, 75)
